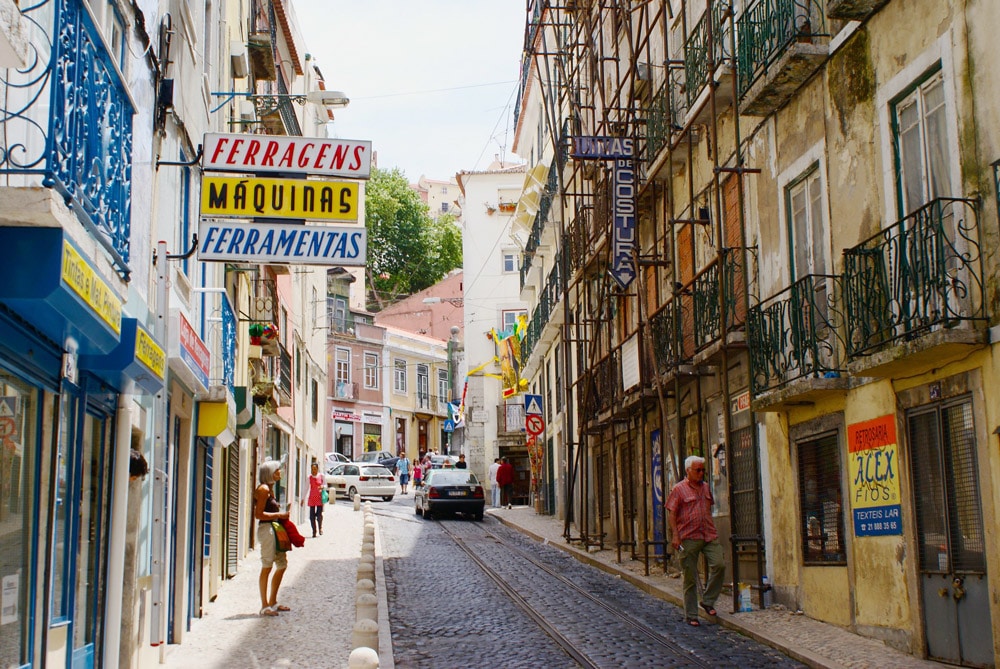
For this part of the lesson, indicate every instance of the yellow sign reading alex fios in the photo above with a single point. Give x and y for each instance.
(258, 197)
(83, 280)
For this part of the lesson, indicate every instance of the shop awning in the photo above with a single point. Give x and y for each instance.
(218, 420)
(138, 356)
(246, 414)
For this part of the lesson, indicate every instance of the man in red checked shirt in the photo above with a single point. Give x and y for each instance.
(692, 532)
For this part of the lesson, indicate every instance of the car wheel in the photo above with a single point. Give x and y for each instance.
(427, 514)
(479, 516)
(387, 498)
(351, 493)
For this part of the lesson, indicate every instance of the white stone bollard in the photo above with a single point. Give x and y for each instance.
(366, 570)
(365, 634)
(368, 547)
(366, 585)
(366, 606)
(357, 502)
(367, 558)
(363, 657)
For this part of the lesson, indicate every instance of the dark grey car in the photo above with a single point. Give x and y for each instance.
(449, 491)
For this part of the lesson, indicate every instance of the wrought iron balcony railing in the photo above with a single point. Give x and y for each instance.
(768, 28)
(67, 118)
(924, 273)
(283, 379)
(794, 334)
(228, 343)
(552, 293)
(664, 115)
(704, 50)
(665, 333)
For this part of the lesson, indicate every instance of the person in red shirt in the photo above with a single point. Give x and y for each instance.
(692, 533)
(505, 479)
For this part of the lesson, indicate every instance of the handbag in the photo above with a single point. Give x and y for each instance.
(324, 496)
(282, 541)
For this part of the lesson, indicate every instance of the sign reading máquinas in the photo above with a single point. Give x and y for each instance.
(873, 465)
(279, 198)
(282, 244)
(251, 154)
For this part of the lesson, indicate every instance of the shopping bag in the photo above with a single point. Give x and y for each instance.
(282, 541)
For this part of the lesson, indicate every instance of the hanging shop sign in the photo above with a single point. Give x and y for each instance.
(259, 197)
(340, 414)
(282, 244)
(252, 154)
(138, 356)
(621, 150)
(189, 357)
(874, 471)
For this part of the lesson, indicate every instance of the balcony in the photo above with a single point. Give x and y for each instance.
(857, 10)
(707, 60)
(68, 119)
(545, 312)
(914, 292)
(781, 43)
(345, 390)
(283, 378)
(665, 118)
(796, 355)
(665, 330)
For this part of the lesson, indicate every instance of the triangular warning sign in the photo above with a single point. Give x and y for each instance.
(533, 404)
(7, 407)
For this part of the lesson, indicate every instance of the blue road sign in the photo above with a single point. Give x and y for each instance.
(533, 405)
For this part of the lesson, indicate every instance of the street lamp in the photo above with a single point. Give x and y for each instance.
(268, 103)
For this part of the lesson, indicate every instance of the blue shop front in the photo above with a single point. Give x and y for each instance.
(66, 355)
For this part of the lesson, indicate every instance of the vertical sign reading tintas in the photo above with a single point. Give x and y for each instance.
(623, 245)
(874, 470)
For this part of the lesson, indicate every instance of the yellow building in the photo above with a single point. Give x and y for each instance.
(767, 237)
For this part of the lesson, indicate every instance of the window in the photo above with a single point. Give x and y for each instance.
(423, 387)
(807, 232)
(315, 401)
(820, 501)
(113, 28)
(399, 375)
(339, 314)
(343, 366)
(510, 262)
(922, 144)
(443, 385)
(444, 190)
(371, 370)
(444, 207)
(509, 318)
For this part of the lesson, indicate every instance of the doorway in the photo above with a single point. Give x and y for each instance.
(951, 541)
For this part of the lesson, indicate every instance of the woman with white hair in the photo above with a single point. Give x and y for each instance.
(266, 510)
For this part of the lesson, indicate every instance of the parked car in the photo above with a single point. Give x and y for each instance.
(384, 458)
(334, 459)
(450, 491)
(368, 480)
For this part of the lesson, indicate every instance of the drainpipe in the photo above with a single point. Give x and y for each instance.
(119, 520)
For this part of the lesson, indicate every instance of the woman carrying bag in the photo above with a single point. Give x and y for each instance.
(317, 493)
(266, 510)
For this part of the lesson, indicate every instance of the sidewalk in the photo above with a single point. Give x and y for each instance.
(809, 641)
(320, 586)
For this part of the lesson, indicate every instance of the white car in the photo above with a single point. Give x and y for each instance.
(334, 459)
(367, 480)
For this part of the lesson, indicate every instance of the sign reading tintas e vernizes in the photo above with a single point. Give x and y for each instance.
(623, 244)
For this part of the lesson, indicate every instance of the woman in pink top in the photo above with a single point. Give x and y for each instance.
(316, 484)
(418, 473)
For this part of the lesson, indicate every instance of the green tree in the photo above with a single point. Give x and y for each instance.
(407, 249)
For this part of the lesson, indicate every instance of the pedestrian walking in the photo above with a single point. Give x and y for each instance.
(317, 486)
(461, 464)
(403, 471)
(505, 479)
(418, 473)
(692, 533)
(494, 486)
(266, 510)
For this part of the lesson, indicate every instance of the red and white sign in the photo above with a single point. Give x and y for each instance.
(741, 402)
(193, 350)
(289, 155)
(339, 414)
(534, 424)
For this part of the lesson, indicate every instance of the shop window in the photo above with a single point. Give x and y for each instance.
(821, 501)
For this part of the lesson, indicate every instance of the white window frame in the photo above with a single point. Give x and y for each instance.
(443, 385)
(371, 370)
(342, 365)
(815, 155)
(399, 375)
(508, 317)
(423, 385)
(509, 254)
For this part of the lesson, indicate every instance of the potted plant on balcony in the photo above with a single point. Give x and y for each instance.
(262, 391)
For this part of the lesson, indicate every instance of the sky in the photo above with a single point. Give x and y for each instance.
(432, 83)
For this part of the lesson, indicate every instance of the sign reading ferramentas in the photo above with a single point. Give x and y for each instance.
(252, 154)
(282, 244)
(259, 197)
(873, 465)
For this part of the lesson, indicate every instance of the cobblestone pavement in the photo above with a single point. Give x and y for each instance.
(812, 642)
(320, 588)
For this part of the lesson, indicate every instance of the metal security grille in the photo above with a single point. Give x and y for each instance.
(946, 488)
(822, 520)
(745, 488)
(232, 510)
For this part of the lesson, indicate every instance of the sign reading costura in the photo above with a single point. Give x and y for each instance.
(623, 244)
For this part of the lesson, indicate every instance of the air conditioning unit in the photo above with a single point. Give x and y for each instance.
(238, 59)
(641, 81)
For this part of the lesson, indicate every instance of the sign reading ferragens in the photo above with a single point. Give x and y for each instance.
(288, 155)
(282, 244)
(623, 244)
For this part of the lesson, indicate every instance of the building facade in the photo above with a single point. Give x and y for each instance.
(765, 231)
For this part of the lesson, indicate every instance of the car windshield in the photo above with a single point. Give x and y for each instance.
(453, 477)
(375, 470)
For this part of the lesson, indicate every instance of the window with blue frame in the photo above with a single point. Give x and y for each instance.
(24, 526)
